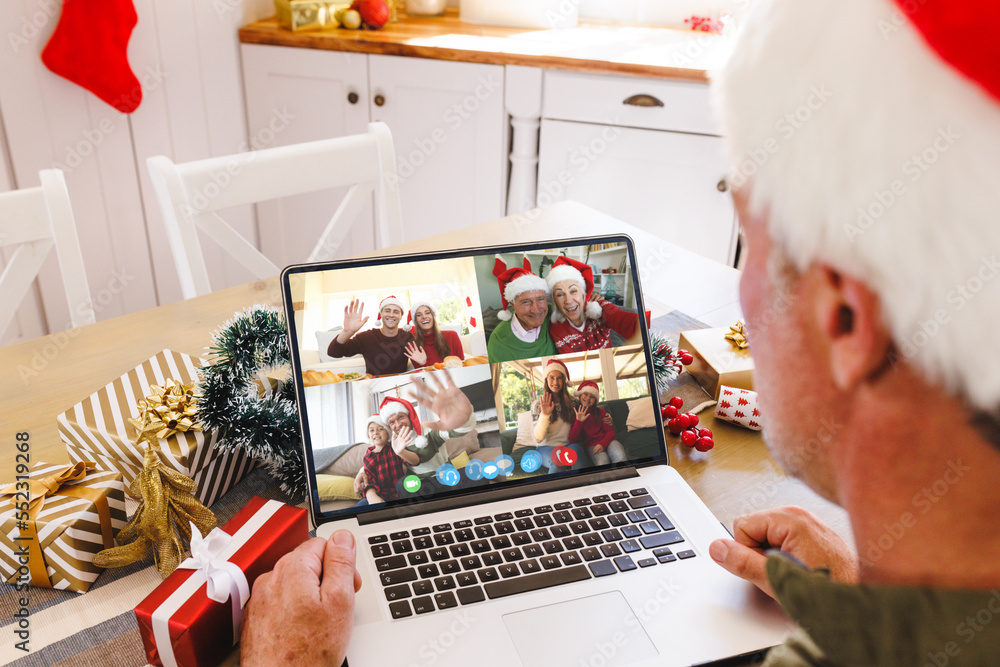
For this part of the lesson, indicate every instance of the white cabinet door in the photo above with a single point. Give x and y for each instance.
(447, 121)
(666, 183)
(294, 96)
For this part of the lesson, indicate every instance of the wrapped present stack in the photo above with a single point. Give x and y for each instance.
(720, 357)
(188, 621)
(55, 521)
(98, 428)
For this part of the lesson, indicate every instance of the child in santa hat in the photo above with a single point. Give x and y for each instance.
(593, 427)
(556, 418)
(580, 320)
(383, 467)
(423, 446)
(430, 343)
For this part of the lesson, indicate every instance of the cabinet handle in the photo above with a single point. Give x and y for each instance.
(379, 100)
(643, 100)
(352, 97)
(722, 185)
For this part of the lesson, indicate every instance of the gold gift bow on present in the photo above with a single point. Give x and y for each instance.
(38, 491)
(738, 335)
(171, 408)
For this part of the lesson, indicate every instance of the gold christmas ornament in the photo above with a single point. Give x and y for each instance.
(162, 522)
(167, 506)
(737, 335)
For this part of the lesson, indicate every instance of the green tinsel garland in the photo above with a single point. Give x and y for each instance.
(666, 362)
(267, 428)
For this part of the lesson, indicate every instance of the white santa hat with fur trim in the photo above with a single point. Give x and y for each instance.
(378, 421)
(868, 132)
(391, 300)
(566, 268)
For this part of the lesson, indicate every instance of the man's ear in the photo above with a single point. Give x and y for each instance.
(850, 319)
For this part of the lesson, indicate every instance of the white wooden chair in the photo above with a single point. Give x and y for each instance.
(190, 194)
(36, 220)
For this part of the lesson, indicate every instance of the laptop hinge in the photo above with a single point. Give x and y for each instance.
(499, 493)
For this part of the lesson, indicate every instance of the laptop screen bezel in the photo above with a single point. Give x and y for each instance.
(477, 494)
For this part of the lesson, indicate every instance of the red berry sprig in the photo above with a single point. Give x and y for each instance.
(686, 425)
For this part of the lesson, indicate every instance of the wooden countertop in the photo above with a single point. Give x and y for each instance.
(590, 47)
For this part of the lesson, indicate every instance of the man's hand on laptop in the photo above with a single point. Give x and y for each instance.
(302, 612)
(444, 399)
(793, 530)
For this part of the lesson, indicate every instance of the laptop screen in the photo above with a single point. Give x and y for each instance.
(423, 377)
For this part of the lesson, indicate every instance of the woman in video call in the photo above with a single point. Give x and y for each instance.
(579, 322)
(556, 417)
(431, 345)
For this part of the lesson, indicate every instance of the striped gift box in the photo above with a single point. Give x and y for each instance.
(97, 429)
(68, 527)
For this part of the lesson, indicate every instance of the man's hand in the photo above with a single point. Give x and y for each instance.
(793, 530)
(402, 440)
(302, 612)
(546, 404)
(360, 481)
(582, 413)
(445, 400)
(417, 355)
(352, 318)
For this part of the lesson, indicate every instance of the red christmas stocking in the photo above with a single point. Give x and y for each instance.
(89, 47)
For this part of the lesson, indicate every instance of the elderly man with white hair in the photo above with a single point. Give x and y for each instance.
(865, 144)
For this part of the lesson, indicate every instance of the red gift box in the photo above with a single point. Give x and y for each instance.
(201, 630)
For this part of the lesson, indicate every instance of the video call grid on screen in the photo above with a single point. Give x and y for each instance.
(347, 368)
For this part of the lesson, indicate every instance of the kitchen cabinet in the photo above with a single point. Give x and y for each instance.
(448, 126)
(644, 151)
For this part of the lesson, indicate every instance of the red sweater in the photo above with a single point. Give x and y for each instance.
(433, 357)
(596, 334)
(597, 429)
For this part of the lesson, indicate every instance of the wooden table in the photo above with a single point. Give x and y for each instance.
(44, 377)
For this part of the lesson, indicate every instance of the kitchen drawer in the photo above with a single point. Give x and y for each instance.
(601, 99)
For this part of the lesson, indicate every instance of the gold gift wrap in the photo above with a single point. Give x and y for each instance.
(308, 14)
(75, 511)
(717, 361)
(97, 429)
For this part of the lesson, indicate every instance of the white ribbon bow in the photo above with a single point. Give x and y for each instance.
(224, 580)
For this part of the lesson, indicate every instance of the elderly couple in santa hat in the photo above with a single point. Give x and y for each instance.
(581, 320)
(387, 349)
(399, 445)
(582, 427)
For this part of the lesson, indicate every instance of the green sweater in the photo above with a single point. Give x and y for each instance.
(505, 346)
(840, 624)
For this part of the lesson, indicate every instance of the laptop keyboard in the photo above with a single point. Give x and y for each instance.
(450, 564)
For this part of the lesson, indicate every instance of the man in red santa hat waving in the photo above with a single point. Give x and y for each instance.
(384, 349)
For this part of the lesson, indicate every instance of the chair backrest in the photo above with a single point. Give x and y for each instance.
(189, 195)
(36, 220)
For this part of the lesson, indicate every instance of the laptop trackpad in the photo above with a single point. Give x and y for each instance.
(596, 630)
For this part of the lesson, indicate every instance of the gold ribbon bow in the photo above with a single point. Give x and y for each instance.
(168, 410)
(54, 485)
(738, 335)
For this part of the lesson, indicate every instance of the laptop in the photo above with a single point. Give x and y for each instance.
(478, 543)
